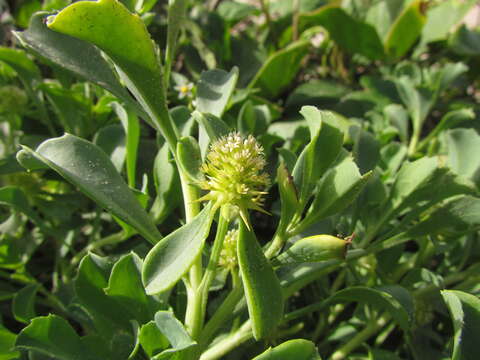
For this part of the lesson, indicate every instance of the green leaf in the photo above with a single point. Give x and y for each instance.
(298, 349)
(167, 183)
(366, 149)
(233, 12)
(89, 168)
(176, 16)
(171, 258)
(262, 288)
(53, 336)
(14, 197)
(174, 331)
(131, 127)
(214, 127)
(10, 165)
(313, 249)
(214, 90)
(341, 26)
(465, 41)
(190, 158)
(383, 14)
(23, 303)
(125, 39)
(152, 340)
(125, 286)
(405, 30)
(443, 17)
(459, 215)
(316, 92)
(253, 119)
(288, 195)
(325, 144)
(417, 100)
(7, 343)
(398, 117)
(77, 56)
(465, 311)
(463, 145)
(450, 120)
(412, 177)
(72, 111)
(378, 298)
(111, 139)
(93, 274)
(336, 190)
(280, 69)
(22, 64)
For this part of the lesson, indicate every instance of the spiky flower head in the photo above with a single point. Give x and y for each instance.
(234, 173)
(228, 255)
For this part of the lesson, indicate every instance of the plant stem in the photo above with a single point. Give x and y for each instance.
(108, 240)
(412, 146)
(295, 16)
(268, 19)
(194, 300)
(275, 246)
(223, 313)
(371, 329)
(229, 343)
(209, 275)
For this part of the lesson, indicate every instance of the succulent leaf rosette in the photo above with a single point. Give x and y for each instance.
(234, 174)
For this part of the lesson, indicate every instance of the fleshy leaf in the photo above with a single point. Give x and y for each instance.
(262, 288)
(53, 336)
(465, 311)
(171, 258)
(89, 168)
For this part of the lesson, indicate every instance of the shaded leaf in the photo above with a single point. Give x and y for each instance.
(23, 303)
(214, 90)
(341, 26)
(53, 336)
(280, 69)
(174, 331)
(405, 30)
(89, 168)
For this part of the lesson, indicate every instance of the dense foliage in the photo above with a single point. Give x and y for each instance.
(239, 180)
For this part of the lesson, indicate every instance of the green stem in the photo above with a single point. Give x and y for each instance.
(194, 300)
(223, 313)
(276, 245)
(226, 345)
(209, 275)
(412, 147)
(371, 329)
(266, 11)
(108, 240)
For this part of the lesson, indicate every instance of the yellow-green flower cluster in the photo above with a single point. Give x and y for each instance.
(234, 173)
(228, 255)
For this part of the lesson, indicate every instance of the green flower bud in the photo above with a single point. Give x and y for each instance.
(234, 174)
(228, 255)
(313, 249)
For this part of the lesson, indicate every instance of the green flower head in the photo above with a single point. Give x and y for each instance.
(234, 174)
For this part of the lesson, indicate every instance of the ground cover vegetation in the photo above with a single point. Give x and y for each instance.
(225, 179)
